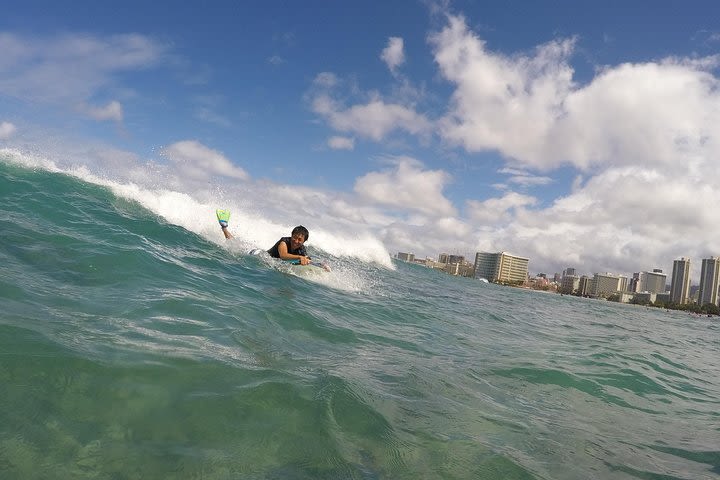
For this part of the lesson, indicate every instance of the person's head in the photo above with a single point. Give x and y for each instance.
(298, 236)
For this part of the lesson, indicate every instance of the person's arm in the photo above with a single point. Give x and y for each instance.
(285, 255)
(226, 232)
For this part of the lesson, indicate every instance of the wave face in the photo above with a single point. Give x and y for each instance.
(136, 343)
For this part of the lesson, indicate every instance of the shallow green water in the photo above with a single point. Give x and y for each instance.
(133, 348)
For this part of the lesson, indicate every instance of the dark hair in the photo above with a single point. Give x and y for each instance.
(301, 230)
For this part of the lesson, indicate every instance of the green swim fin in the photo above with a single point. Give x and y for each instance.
(223, 217)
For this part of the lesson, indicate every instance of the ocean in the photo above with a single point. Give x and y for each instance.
(136, 343)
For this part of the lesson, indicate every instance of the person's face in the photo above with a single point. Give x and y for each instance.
(296, 241)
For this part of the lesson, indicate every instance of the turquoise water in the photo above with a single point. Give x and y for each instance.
(135, 348)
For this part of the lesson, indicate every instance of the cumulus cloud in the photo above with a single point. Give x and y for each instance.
(528, 108)
(407, 186)
(393, 55)
(7, 130)
(198, 162)
(70, 67)
(372, 116)
(341, 143)
(112, 111)
(498, 210)
(375, 119)
(524, 177)
(624, 218)
(500, 103)
(325, 80)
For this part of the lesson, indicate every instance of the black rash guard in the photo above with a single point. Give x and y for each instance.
(274, 252)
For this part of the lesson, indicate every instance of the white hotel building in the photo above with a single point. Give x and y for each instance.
(501, 267)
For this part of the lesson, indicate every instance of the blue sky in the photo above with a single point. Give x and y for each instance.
(574, 133)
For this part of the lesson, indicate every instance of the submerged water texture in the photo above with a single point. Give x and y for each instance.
(131, 348)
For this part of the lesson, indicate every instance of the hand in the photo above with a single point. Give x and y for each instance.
(304, 260)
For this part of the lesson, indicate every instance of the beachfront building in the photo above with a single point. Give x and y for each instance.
(501, 267)
(653, 282)
(569, 272)
(680, 281)
(585, 285)
(406, 257)
(663, 298)
(456, 259)
(569, 284)
(709, 278)
(605, 284)
(634, 282)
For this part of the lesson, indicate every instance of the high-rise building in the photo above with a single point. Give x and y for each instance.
(569, 272)
(709, 276)
(443, 258)
(680, 281)
(606, 283)
(501, 267)
(455, 259)
(634, 282)
(569, 284)
(406, 257)
(652, 282)
(585, 285)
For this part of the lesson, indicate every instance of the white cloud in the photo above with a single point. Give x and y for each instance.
(451, 227)
(199, 162)
(625, 219)
(374, 120)
(498, 210)
(393, 55)
(341, 143)
(276, 60)
(325, 80)
(70, 67)
(525, 178)
(7, 130)
(112, 111)
(714, 37)
(407, 187)
(528, 108)
(372, 116)
(500, 103)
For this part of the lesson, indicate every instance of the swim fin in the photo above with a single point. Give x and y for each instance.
(223, 217)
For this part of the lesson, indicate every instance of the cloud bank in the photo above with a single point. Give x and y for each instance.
(643, 136)
(71, 68)
(198, 162)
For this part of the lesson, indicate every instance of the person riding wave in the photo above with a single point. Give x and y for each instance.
(292, 247)
(287, 248)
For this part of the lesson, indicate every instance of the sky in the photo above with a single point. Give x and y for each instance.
(577, 134)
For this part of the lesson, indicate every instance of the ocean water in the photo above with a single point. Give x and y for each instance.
(135, 343)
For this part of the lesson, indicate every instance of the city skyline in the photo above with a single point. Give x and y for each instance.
(443, 256)
(645, 287)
